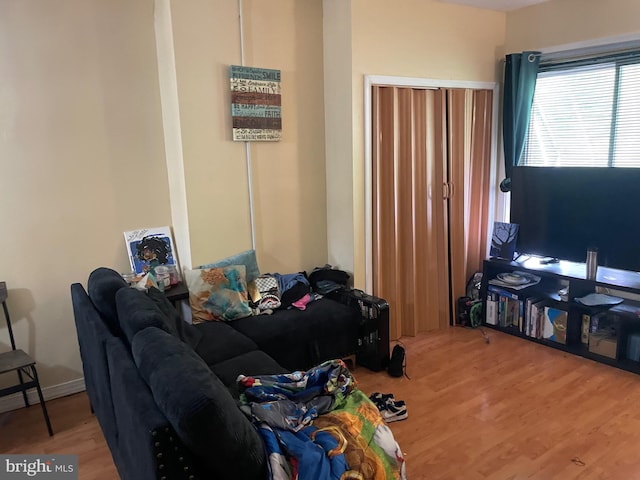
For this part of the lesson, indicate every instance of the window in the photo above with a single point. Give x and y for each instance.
(586, 113)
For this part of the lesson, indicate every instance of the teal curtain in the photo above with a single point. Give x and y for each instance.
(520, 73)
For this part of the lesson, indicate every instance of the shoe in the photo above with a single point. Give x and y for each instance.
(381, 399)
(390, 409)
(395, 412)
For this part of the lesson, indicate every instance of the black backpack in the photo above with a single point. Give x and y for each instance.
(397, 364)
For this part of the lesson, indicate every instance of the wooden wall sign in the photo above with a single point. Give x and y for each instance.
(255, 104)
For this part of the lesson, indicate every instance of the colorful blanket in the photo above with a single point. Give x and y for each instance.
(318, 425)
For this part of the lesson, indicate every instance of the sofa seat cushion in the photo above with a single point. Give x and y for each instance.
(299, 339)
(249, 364)
(198, 406)
(220, 342)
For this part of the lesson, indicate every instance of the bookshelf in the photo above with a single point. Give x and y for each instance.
(540, 311)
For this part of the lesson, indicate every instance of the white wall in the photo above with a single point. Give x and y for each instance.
(289, 175)
(561, 22)
(82, 159)
(413, 38)
(338, 100)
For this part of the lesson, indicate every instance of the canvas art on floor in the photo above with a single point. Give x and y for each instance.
(149, 247)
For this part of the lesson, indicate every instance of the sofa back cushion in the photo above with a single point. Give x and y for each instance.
(102, 287)
(198, 406)
(186, 332)
(138, 310)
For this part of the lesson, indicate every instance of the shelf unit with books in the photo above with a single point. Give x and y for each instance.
(540, 306)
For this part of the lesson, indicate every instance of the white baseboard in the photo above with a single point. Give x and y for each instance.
(15, 401)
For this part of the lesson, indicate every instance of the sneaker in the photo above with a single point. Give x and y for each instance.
(381, 399)
(395, 412)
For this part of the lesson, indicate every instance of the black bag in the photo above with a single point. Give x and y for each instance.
(397, 362)
(469, 312)
(473, 286)
(327, 279)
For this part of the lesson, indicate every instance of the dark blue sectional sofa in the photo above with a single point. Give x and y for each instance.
(164, 391)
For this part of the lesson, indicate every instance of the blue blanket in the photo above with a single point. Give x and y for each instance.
(318, 425)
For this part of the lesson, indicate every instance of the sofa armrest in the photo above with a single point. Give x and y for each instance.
(148, 447)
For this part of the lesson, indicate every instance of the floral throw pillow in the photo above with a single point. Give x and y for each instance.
(218, 293)
(248, 259)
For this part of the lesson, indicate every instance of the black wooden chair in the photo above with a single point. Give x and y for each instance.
(19, 361)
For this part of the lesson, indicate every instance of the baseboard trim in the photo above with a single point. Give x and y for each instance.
(15, 401)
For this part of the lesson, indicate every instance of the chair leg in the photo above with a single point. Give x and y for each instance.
(24, 392)
(44, 407)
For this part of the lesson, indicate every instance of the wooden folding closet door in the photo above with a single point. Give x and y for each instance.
(424, 145)
(469, 123)
(409, 211)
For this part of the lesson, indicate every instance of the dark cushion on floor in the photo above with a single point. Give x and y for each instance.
(201, 410)
(102, 287)
(220, 342)
(326, 329)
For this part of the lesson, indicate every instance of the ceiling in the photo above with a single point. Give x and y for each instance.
(502, 5)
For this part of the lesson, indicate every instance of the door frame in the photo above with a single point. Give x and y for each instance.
(496, 208)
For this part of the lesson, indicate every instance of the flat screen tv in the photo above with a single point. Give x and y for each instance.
(562, 211)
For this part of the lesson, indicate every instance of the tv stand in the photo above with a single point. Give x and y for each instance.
(603, 333)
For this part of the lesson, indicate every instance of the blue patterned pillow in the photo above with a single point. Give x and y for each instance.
(218, 293)
(247, 258)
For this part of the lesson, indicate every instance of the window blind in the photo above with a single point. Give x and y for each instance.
(586, 113)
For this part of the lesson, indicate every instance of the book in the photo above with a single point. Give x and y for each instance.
(492, 309)
(502, 291)
(555, 324)
(530, 315)
(584, 328)
(510, 307)
(514, 309)
(537, 317)
(148, 248)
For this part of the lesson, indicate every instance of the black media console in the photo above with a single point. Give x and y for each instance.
(536, 300)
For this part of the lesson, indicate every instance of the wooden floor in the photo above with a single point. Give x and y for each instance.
(76, 431)
(506, 410)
